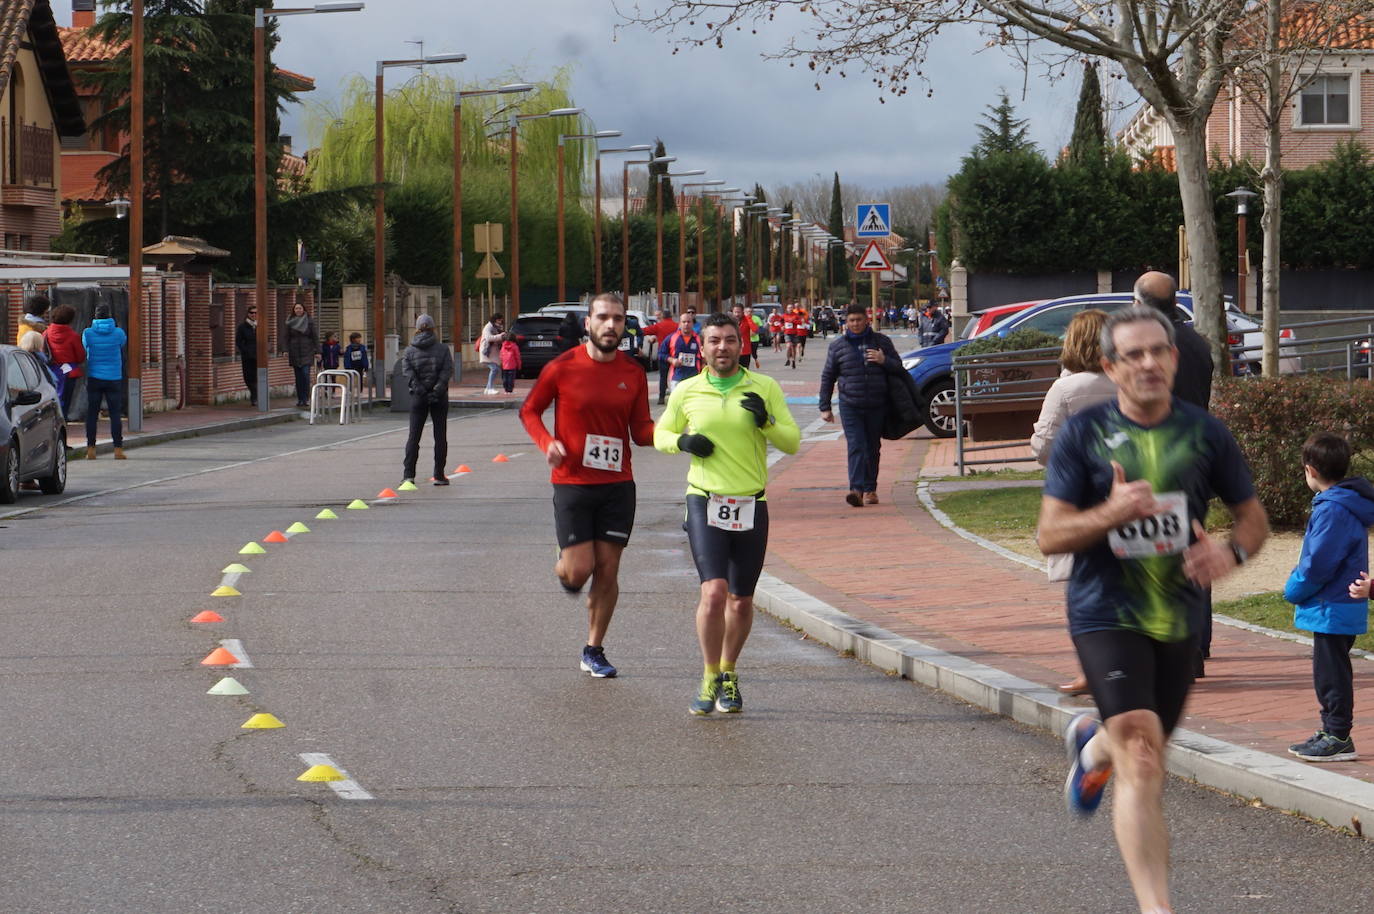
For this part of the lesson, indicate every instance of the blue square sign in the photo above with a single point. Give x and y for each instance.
(873, 220)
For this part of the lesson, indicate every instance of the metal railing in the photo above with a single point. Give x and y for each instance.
(962, 369)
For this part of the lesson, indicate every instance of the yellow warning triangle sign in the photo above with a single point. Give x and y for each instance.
(873, 260)
(490, 269)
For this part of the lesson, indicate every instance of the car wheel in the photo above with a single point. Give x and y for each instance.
(9, 480)
(940, 394)
(56, 484)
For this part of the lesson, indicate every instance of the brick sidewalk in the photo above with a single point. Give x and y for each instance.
(894, 566)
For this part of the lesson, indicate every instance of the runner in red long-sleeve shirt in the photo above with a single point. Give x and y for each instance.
(601, 402)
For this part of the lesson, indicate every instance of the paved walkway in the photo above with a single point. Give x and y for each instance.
(896, 567)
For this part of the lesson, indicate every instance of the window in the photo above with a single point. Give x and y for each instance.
(14, 376)
(1325, 102)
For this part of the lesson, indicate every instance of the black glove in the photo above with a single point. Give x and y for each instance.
(696, 445)
(754, 403)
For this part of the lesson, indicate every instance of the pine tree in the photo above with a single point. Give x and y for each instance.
(1088, 145)
(839, 264)
(652, 201)
(1004, 132)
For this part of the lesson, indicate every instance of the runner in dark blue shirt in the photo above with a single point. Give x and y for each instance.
(1126, 491)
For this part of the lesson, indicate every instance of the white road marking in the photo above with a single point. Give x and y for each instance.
(235, 647)
(229, 466)
(347, 789)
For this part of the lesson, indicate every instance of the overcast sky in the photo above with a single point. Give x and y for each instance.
(742, 118)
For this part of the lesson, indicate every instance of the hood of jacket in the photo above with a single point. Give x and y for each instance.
(103, 325)
(1355, 495)
(424, 339)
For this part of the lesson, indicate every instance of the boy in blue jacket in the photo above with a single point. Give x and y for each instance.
(1335, 551)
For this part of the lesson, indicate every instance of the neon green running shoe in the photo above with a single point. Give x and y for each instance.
(729, 700)
(705, 701)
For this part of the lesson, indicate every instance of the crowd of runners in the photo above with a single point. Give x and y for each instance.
(1126, 491)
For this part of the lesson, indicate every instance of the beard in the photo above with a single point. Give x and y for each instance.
(600, 343)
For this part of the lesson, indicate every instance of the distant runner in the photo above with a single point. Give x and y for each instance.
(725, 418)
(601, 403)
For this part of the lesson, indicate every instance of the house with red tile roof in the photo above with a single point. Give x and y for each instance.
(83, 157)
(1332, 62)
(38, 109)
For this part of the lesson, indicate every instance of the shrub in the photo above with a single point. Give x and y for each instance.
(1015, 341)
(1271, 418)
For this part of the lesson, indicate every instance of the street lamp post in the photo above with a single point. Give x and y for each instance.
(379, 203)
(1241, 195)
(515, 120)
(681, 243)
(751, 249)
(624, 217)
(625, 221)
(260, 172)
(658, 196)
(562, 262)
(458, 97)
(136, 221)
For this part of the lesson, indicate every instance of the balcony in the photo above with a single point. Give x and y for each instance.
(28, 169)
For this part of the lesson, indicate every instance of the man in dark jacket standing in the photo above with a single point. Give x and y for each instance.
(246, 342)
(427, 365)
(860, 359)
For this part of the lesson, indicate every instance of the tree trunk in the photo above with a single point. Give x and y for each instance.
(1272, 177)
(1203, 253)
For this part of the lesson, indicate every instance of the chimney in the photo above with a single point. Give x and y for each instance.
(285, 144)
(83, 14)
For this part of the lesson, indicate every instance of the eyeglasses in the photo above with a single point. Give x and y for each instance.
(1137, 356)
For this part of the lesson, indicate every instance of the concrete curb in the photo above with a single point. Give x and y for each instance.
(142, 439)
(1281, 783)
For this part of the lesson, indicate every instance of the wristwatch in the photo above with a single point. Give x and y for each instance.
(1239, 552)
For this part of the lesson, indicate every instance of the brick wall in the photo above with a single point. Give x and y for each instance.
(1236, 130)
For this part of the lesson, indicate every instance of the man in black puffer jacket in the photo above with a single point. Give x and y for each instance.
(428, 365)
(860, 359)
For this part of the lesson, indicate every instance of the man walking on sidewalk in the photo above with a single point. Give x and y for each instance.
(860, 359)
(726, 418)
(601, 403)
(428, 365)
(246, 342)
(1126, 491)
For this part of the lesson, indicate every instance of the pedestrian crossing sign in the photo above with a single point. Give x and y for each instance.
(873, 220)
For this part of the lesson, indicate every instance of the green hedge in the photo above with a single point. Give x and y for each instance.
(1271, 418)
(1015, 341)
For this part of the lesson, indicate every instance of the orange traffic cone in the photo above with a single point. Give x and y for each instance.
(207, 615)
(219, 657)
(388, 493)
(463, 468)
(276, 536)
(500, 458)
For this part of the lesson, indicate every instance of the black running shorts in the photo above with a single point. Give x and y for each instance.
(605, 511)
(1129, 671)
(735, 556)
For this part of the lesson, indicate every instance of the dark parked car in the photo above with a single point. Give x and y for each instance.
(539, 341)
(33, 437)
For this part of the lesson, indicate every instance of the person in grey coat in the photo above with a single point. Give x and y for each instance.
(427, 365)
(302, 348)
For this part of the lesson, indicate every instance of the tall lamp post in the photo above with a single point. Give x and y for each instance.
(1241, 195)
(457, 335)
(658, 196)
(751, 249)
(136, 221)
(260, 171)
(701, 240)
(719, 276)
(379, 203)
(596, 226)
(562, 241)
(625, 222)
(515, 121)
(681, 242)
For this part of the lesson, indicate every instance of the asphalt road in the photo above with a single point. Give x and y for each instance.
(424, 646)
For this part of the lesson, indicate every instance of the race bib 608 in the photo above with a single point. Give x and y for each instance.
(1165, 533)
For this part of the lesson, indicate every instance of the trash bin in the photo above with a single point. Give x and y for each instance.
(400, 389)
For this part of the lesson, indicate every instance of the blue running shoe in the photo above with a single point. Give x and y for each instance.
(1084, 787)
(594, 661)
(705, 702)
(729, 701)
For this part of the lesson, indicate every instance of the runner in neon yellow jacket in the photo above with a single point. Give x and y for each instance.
(725, 418)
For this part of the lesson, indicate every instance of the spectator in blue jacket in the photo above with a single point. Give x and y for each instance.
(860, 360)
(1335, 551)
(355, 356)
(104, 344)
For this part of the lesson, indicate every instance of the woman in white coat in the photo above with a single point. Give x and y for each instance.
(1081, 384)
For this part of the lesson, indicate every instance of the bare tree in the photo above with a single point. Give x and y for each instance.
(1176, 55)
(810, 198)
(913, 205)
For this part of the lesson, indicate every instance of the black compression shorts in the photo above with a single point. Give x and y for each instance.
(735, 556)
(1129, 671)
(604, 511)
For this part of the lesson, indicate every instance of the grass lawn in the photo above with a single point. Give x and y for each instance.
(1014, 511)
(1272, 611)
